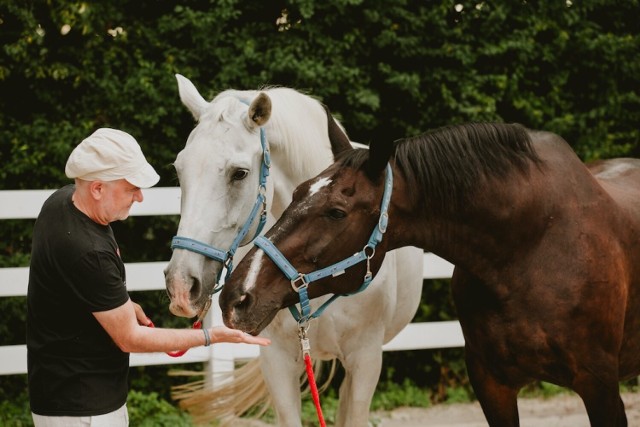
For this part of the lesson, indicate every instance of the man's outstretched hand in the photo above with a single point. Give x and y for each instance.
(224, 334)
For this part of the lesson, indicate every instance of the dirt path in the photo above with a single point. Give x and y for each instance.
(559, 411)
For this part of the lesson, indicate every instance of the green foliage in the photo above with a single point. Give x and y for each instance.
(391, 395)
(329, 404)
(148, 410)
(543, 389)
(15, 412)
(145, 410)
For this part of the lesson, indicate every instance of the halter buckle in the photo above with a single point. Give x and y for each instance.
(303, 283)
(228, 262)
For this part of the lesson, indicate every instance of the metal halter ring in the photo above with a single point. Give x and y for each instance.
(373, 251)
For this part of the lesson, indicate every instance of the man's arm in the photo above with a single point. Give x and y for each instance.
(126, 326)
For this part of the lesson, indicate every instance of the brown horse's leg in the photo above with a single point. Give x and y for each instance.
(603, 402)
(499, 402)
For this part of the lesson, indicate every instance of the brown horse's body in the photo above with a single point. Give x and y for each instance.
(563, 307)
(547, 255)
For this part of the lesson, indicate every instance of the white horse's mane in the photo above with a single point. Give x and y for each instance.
(298, 126)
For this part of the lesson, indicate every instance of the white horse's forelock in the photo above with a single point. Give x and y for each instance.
(226, 108)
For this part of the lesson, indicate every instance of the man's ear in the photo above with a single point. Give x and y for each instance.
(96, 189)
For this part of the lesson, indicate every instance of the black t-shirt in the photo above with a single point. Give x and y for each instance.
(74, 367)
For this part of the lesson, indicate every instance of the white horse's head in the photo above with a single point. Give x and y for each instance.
(219, 171)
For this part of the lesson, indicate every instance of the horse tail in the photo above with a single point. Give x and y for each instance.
(241, 393)
(230, 395)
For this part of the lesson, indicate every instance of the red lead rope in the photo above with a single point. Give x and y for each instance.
(177, 353)
(306, 352)
(314, 389)
(196, 325)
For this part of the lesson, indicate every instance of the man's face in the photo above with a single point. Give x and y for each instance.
(118, 197)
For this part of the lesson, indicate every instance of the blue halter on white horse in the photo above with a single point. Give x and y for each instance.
(259, 208)
(219, 171)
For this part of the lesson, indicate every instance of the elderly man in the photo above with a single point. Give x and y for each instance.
(81, 324)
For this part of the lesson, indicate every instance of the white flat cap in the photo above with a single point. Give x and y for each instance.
(109, 155)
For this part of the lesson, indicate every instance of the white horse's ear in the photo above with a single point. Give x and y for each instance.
(259, 111)
(190, 96)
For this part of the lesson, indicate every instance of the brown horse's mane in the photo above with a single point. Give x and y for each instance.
(444, 165)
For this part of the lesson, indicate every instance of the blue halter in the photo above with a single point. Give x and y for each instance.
(300, 281)
(260, 206)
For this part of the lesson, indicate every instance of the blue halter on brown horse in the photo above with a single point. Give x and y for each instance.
(546, 249)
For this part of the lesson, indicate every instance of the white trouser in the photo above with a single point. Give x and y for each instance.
(117, 418)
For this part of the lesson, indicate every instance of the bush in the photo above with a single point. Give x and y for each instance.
(149, 410)
(16, 412)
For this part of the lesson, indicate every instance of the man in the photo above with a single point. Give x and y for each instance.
(81, 324)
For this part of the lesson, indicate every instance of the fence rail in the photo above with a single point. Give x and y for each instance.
(148, 276)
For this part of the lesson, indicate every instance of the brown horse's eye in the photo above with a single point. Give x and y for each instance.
(240, 174)
(336, 214)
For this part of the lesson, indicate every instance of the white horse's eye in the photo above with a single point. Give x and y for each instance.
(240, 174)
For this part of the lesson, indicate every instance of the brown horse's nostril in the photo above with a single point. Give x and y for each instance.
(243, 302)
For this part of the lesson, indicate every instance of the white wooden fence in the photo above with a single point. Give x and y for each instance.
(147, 276)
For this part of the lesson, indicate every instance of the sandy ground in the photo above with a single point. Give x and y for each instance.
(559, 411)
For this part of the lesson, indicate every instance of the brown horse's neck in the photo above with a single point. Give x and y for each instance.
(489, 232)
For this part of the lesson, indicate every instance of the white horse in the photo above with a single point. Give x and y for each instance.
(218, 172)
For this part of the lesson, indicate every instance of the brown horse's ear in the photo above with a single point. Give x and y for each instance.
(379, 155)
(339, 140)
(259, 111)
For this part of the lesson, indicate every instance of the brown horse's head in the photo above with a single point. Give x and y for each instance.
(330, 218)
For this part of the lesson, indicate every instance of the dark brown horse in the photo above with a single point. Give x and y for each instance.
(547, 255)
